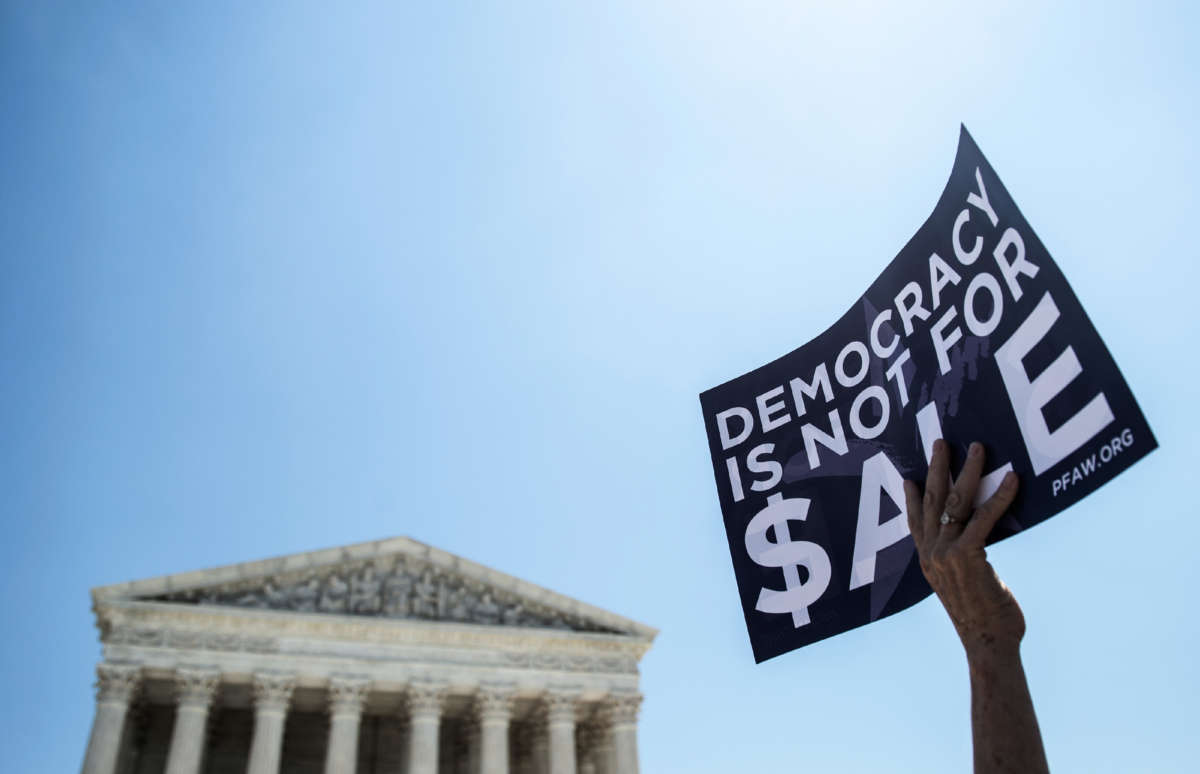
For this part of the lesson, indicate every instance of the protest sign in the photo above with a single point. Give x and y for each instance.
(970, 333)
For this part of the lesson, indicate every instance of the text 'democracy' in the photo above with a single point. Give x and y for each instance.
(970, 333)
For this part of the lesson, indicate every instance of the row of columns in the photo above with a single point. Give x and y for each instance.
(552, 747)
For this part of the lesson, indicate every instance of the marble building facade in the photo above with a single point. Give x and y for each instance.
(389, 657)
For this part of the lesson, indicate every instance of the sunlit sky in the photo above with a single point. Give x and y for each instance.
(289, 277)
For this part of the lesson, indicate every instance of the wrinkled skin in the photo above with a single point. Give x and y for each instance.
(952, 556)
(984, 612)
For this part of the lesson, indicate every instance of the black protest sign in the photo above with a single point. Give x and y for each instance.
(971, 333)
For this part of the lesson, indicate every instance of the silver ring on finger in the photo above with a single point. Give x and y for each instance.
(947, 519)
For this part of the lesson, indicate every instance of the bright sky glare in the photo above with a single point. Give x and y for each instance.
(280, 277)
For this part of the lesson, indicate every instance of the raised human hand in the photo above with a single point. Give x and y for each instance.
(950, 544)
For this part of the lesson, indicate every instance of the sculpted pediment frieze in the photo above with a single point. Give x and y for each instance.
(395, 587)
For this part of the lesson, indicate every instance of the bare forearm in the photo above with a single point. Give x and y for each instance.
(1003, 724)
(950, 543)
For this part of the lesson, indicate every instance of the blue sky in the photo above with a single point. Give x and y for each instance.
(290, 276)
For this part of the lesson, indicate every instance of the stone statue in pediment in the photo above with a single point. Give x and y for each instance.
(514, 614)
(334, 595)
(275, 597)
(393, 586)
(304, 595)
(249, 598)
(425, 596)
(365, 592)
(456, 604)
(397, 590)
(487, 611)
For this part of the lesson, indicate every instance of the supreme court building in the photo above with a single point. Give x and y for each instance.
(389, 657)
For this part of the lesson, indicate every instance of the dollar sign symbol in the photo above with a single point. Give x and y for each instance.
(790, 555)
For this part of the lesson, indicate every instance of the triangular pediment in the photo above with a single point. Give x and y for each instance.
(397, 578)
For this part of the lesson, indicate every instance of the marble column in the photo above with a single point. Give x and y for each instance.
(115, 686)
(424, 716)
(493, 709)
(346, 698)
(194, 692)
(560, 724)
(623, 711)
(272, 694)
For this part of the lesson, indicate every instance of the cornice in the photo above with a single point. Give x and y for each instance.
(198, 628)
(357, 628)
(363, 552)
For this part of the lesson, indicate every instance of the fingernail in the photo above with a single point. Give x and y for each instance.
(976, 449)
(939, 446)
(1010, 480)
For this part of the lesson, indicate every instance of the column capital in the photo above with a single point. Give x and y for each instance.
(425, 699)
(273, 690)
(117, 683)
(348, 693)
(494, 702)
(196, 686)
(560, 705)
(621, 709)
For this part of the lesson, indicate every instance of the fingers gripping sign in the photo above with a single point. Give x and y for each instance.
(957, 508)
(950, 544)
